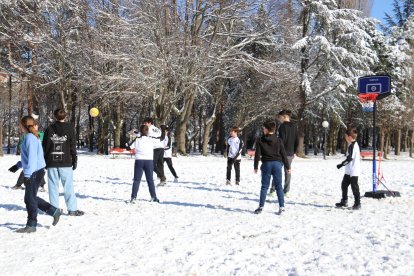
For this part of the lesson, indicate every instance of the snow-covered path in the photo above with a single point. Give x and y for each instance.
(203, 227)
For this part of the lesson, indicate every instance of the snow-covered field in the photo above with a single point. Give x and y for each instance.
(203, 227)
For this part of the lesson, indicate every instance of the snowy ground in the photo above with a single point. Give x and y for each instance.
(203, 227)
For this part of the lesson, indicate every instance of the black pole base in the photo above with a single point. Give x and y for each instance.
(382, 194)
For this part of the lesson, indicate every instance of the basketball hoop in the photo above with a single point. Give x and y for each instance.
(367, 101)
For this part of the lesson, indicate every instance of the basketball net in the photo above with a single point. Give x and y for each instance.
(367, 101)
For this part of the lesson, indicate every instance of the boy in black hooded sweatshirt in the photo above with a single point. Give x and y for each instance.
(270, 149)
(59, 146)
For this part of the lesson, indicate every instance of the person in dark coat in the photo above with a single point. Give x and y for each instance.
(59, 145)
(270, 150)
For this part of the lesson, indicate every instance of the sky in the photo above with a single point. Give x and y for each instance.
(380, 8)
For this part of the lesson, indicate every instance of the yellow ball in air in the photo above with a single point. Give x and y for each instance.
(94, 112)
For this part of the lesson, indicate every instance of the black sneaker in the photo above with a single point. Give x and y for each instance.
(27, 229)
(76, 213)
(356, 206)
(341, 204)
(56, 216)
(155, 200)
(258, 210)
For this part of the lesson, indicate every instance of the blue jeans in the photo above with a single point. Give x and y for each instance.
(140, 167)
(33, 202)
(274, 169)
(64, 174)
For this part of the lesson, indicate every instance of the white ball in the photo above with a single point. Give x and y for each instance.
(325, 124)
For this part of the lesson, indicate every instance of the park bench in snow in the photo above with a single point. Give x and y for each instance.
(116, 151)
(251, 153)
(369, 154)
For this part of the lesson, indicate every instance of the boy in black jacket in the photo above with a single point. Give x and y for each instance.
(59, 146)
(270, 149)
(288, 133)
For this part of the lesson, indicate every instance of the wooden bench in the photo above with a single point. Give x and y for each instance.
(119, 151)
(369, 154)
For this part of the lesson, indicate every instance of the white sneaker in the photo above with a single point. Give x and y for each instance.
(228, 182)
(176, 180)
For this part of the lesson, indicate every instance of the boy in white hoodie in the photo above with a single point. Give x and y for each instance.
(352, 165)
(234, 149)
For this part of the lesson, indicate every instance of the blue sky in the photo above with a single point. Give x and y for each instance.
(380, 8)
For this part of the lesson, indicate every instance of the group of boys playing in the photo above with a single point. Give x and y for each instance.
(283, 152)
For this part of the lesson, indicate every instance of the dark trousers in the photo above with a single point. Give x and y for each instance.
(271, 169)
(288, 176)
(353, 181)
(33, 202)
(159, 163)
(230, 164)
(140, 167)
(170, 166)
(20, 180)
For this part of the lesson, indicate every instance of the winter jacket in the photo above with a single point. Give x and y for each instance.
(353, 160)
(270, 148)
(234, 148)
(167, 147)
(41, 134)
(31, 155)
(157, 135)
(289, 135)
(144, 148)
(59, 145)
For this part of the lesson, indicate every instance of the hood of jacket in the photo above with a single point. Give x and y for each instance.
(269, 139)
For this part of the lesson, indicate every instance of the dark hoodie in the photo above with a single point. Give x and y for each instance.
(59, 145)
(270, 148)
(289, 135)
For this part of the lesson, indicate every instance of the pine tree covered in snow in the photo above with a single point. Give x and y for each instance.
(335, 48)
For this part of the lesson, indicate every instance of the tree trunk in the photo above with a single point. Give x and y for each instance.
(404, 139)
(104, 131)
(78, 127)
(20, 114)
(315, 134)
(382, 139)
(183, 118)
(411, 143)
(333, 134)
(302, 89)
(306, 139)
(200, 131)
(387, 142)
(398, 142)
(221, 143)
(1, 137)
(207, 129)
(91, 130)
(9, 125)
(119, 121)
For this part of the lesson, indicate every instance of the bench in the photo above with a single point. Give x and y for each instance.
(116, 151)
(368, 153)
(251, 153)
